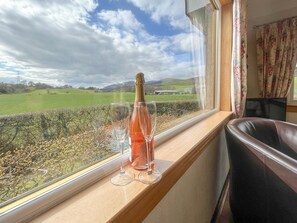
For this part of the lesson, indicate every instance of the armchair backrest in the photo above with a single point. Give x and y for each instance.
(263, 167)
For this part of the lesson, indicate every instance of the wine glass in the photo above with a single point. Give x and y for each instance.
(147, 120)
(120, 116)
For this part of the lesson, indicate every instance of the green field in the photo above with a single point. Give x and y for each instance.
(175, 84)
(48, 99)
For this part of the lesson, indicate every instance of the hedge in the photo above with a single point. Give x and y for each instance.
(28, 129)
(38, 149)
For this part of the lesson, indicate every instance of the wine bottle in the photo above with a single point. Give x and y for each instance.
(138, 156)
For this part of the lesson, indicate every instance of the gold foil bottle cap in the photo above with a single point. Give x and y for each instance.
(139, 79)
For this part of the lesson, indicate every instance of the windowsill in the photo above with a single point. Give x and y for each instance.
(292, 108)
(104, 202)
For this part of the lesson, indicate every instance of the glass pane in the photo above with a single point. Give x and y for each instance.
(295, 85)
(63, 62)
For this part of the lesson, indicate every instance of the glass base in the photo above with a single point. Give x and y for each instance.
(149, 178)
(121, 179)
(141, 167)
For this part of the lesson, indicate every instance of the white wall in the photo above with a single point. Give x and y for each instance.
(292, 117)
(194, 197)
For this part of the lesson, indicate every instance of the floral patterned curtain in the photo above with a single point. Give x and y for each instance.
(239, 58)
(276, 57)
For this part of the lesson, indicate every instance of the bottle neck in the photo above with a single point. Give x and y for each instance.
(139, 92)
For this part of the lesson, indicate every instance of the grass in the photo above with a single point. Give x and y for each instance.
(178, 85)
(48, 99)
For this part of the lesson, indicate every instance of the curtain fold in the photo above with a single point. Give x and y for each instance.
(276, 57)
(239, 58)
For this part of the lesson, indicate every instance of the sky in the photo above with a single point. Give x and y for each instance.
(93, 43)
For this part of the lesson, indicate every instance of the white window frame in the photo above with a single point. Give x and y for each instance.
(39, 204)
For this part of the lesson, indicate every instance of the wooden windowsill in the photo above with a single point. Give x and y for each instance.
(104, 202)
(291, 108)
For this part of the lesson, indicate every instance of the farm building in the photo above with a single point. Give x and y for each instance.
(162, 92)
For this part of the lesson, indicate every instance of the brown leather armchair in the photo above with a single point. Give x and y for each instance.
(263, 167)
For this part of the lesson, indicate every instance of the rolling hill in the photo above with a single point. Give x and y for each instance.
(165, 84)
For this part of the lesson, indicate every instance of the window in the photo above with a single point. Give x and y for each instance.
(62, 64)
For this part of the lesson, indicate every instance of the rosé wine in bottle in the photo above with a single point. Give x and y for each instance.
(138, 156)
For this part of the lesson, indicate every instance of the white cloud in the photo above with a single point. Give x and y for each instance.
(120, 18)
(55, 42)
(54, 10)
(182, 42)
(171, 10)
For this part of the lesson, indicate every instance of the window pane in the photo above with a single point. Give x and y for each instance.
(295, 85)
(63, 63)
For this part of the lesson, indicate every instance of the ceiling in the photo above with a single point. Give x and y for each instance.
(262, 8)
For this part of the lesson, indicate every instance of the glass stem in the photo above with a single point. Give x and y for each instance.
(148, 157)
(122, 170)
